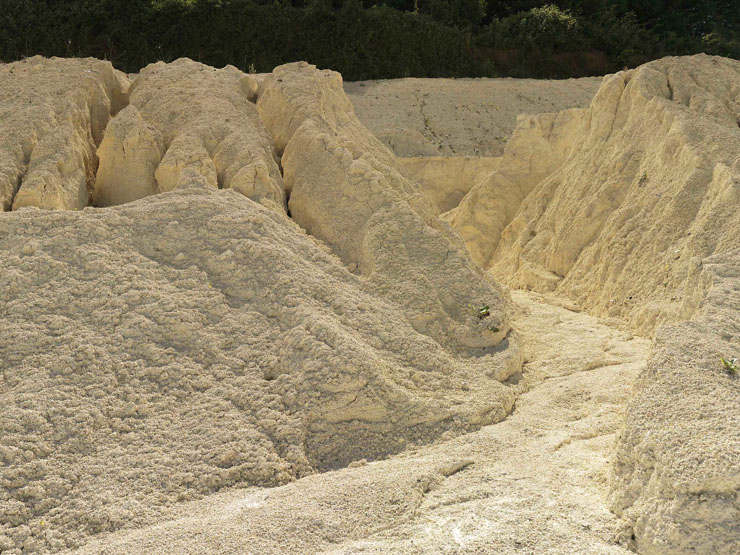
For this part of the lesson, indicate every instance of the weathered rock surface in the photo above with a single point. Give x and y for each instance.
(533, 483)
(192, 341)
(539, 145)
(187, 123)
(676, 473)
(52, 115)
(646, 188)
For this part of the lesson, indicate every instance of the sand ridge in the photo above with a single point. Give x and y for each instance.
(533, 483)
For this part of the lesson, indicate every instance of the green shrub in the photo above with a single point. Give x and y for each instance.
(372, 39)
(543, 30)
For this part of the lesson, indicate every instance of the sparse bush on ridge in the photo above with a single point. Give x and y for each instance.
(370, 39)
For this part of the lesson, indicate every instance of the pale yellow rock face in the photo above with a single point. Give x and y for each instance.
(676, 468)
(633, 213)
(52, 116)
(187, 124)
(346, 189)
(629, 196)
(446, 180)
(131, 150)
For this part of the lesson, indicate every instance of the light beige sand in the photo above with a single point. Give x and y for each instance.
(254, 327)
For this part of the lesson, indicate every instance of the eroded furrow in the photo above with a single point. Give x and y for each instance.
(53, 116)
(188, 125)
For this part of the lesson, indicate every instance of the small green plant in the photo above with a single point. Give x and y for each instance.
(643, 179)
(483, 312)
(494, 329)
(730, 365)
(252, 69)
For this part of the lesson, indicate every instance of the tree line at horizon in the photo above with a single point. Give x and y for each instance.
(375, 39)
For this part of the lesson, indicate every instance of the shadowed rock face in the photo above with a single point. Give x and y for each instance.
(447, 180)
(631, 208)
(52, 117)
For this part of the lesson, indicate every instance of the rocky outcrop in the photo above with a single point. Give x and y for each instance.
(646, 192)
(676, 470)
(346, 189)
(539, 145)
(187, 124)
(53, 115)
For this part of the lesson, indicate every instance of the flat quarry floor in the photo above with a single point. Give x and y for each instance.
(534, 483)
(459, 117)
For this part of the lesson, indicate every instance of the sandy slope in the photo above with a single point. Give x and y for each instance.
(535, 483)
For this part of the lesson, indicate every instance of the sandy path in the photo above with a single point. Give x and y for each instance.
(459, 117)
(534, 483)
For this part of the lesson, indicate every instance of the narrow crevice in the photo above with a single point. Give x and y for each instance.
(22, 171)
(15, 190)
(119, 100)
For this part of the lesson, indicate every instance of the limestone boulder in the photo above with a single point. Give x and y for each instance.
(346, 189)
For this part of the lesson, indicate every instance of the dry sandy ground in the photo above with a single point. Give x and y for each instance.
(459, 117)
(535, 483)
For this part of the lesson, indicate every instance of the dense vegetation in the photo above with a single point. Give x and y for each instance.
(367, 39)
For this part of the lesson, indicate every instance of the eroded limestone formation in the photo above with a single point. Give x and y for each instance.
(676, 468)
(52, 116)
(446, 180)
(187, 124)
(636, 217)
(636, 191)
(204, 338)
(539, 145)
